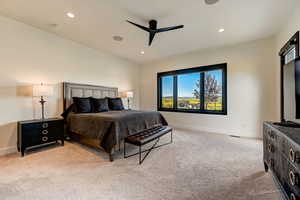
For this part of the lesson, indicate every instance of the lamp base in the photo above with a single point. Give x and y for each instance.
(42, 101)
(128, 101)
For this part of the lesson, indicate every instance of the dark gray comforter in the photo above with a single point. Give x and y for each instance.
(111, 127)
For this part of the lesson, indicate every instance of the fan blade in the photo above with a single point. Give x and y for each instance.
(140, 26)
(151, 37)
(169, 28)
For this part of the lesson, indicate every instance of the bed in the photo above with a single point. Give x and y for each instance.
(105, 130)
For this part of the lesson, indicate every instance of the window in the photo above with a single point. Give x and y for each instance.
(167, 92)
(213, 90)
(188, 91)
(196, 90)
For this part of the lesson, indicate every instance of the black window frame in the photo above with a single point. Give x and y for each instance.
(175, 73)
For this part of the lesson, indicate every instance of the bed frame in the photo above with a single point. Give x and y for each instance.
(71, 90)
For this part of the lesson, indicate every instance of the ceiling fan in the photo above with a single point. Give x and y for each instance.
(153, 30)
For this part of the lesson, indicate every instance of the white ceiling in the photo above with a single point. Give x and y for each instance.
(97, 21)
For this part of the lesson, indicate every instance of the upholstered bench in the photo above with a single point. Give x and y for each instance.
(146, 136)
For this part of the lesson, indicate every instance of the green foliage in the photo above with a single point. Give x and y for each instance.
(192, 103)
(167, 102)
(212, 91)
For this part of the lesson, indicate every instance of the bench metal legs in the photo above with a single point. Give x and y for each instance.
(141, 160)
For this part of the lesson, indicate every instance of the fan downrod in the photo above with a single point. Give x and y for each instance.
(153, 24)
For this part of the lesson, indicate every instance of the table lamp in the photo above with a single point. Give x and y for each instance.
(42, 91)
(128, 95)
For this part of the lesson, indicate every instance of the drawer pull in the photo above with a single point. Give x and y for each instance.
(270, 148)
(293, 197)
(293, 178)
(271, 135)
(45, 139)
(45, 125)
(293, 156)
(45, 132)
(271, 162)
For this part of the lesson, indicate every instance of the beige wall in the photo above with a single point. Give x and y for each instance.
(252, 92)
(29, 56)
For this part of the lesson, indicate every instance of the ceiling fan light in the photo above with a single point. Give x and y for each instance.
(211, 2)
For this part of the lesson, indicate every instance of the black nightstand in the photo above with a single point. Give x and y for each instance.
(39, 132)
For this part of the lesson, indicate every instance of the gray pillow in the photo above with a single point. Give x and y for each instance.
(82, 104)
(99, 105)
(115, 104)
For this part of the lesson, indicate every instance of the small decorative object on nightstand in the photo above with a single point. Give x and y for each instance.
(34, 133)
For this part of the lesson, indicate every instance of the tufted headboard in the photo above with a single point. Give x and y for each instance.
(71, 90)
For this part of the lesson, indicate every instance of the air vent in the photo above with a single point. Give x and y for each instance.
(211, 2)
(235, 136)
(118, 38)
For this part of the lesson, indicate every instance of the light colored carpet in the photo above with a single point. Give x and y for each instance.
(197, 166)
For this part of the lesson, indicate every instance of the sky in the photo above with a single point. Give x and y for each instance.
(186, 83)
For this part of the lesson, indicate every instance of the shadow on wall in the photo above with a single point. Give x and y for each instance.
(16, 104)
(16, 91)
(24, 91)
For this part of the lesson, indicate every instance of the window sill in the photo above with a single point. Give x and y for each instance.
(193, 111)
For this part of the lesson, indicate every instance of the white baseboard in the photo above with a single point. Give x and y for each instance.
(8, 150)
(209, 131)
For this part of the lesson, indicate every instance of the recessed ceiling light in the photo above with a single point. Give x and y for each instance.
(142, 52)
(71, 15)
(221, 30)
(118, 38)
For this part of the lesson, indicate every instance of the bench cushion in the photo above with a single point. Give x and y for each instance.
(147, 135)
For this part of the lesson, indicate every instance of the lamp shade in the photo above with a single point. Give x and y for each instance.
(42, 90)
(129, 94)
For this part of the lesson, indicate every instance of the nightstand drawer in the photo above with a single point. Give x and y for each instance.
(53, 131)
(44, 125)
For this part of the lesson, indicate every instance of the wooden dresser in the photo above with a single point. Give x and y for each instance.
(281, 146)
(39, 132)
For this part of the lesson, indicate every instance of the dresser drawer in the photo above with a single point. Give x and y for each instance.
(274, 163)
(271, 134)
(291, 152)
(291, 190)
(270, 150)
(272, 140)
(270, 147)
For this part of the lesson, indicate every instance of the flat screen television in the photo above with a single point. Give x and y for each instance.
(291, 92)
